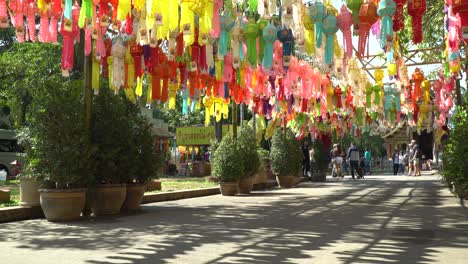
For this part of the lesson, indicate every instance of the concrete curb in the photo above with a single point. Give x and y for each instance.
(19, 213)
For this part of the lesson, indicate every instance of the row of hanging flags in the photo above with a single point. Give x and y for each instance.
(213, 52)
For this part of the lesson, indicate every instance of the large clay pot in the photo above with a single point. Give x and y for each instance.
(260, 177)
(29, 193)
(246, 185)
(62, 204)
(318, 176)
(228, 188)
(135, 193)
(460, 191)
(108, 199)
(286, 181)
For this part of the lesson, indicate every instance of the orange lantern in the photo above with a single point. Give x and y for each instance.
(367, 17)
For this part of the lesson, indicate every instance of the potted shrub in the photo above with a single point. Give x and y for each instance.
(59, 152)
(246, 144)
(285, 158)
(28, 178)
(227, 166)
(455, 154)
(319, 170)
(146, 162)
(112, 141)
(264, 159)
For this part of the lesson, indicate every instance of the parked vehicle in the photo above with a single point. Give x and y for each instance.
(11, 154)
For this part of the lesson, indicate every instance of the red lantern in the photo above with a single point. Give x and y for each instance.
(367, 17)
(461, 7)
(399, 16)
(416, 9)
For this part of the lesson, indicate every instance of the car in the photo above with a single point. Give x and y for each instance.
(11, 154)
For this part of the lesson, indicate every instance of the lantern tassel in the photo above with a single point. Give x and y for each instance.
(329, 48)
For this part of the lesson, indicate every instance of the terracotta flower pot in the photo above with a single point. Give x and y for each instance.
(62, 204)
(260, 177)
(135, 193)
(228, 188)
(29, 193)
(246, 185)
(286, 181)
(108, 199)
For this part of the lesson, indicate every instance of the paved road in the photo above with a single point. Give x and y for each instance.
(386, 219)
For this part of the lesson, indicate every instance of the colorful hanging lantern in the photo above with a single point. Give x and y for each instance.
(416, 9)
(285, 35)
(329, 29)
(309, 34)
(367, 17)
(318, 12)
(226, 23)
(460, 7)
(399, 16)
(345, 21)
(355, 7)
(269, 35)
(250, 35)
(385, 10)
(236, 34)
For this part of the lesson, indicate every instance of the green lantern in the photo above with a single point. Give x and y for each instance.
(355, 6)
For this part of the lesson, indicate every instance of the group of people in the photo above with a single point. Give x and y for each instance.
(358, 164)
(412, 160)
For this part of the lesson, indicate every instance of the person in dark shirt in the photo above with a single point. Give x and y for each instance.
(353, 156)
(306, 160)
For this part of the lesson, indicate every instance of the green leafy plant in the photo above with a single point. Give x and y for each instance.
(112, 138)
(285, 156)
(247, 147)
(145, 161)
(227, 162)
(59, 145)
(455, 155)
(264, 158)
(320, 156)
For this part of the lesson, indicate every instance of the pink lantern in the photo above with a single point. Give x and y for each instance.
(345, 21)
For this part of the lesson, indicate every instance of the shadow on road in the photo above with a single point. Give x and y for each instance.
(366, 221)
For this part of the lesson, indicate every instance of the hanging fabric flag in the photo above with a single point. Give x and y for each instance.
(250, 35)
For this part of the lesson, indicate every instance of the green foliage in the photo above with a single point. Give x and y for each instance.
(112, 138)
(321, 156)
(227, 162)
(455, 155)
(144, 160)
(58, 148)
(175, 117)
(264, 157)
(248, 149)
(286, 155)
(27, 70)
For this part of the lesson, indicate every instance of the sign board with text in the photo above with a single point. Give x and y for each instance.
(196, 136)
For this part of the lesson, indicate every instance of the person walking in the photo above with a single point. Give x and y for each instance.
(417, 154)
(353, 156)
(396, 163)
(333, 152)
(401, 162)
(306, 160)
(410, 158)
(367, 161)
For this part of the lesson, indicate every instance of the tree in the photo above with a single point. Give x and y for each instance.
(26, 72)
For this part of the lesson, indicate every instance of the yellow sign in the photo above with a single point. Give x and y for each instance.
(195, 136)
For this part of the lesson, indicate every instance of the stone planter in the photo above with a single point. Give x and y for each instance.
(228, 188)
(260, 177)
(134, 196)
(62, 204)
(246, 185)
(108, 199)
(318, 176)
(29, 193)
(286, 181)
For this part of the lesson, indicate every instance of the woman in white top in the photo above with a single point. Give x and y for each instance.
(401, 162)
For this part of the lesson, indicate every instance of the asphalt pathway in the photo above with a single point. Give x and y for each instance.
(381, 219)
